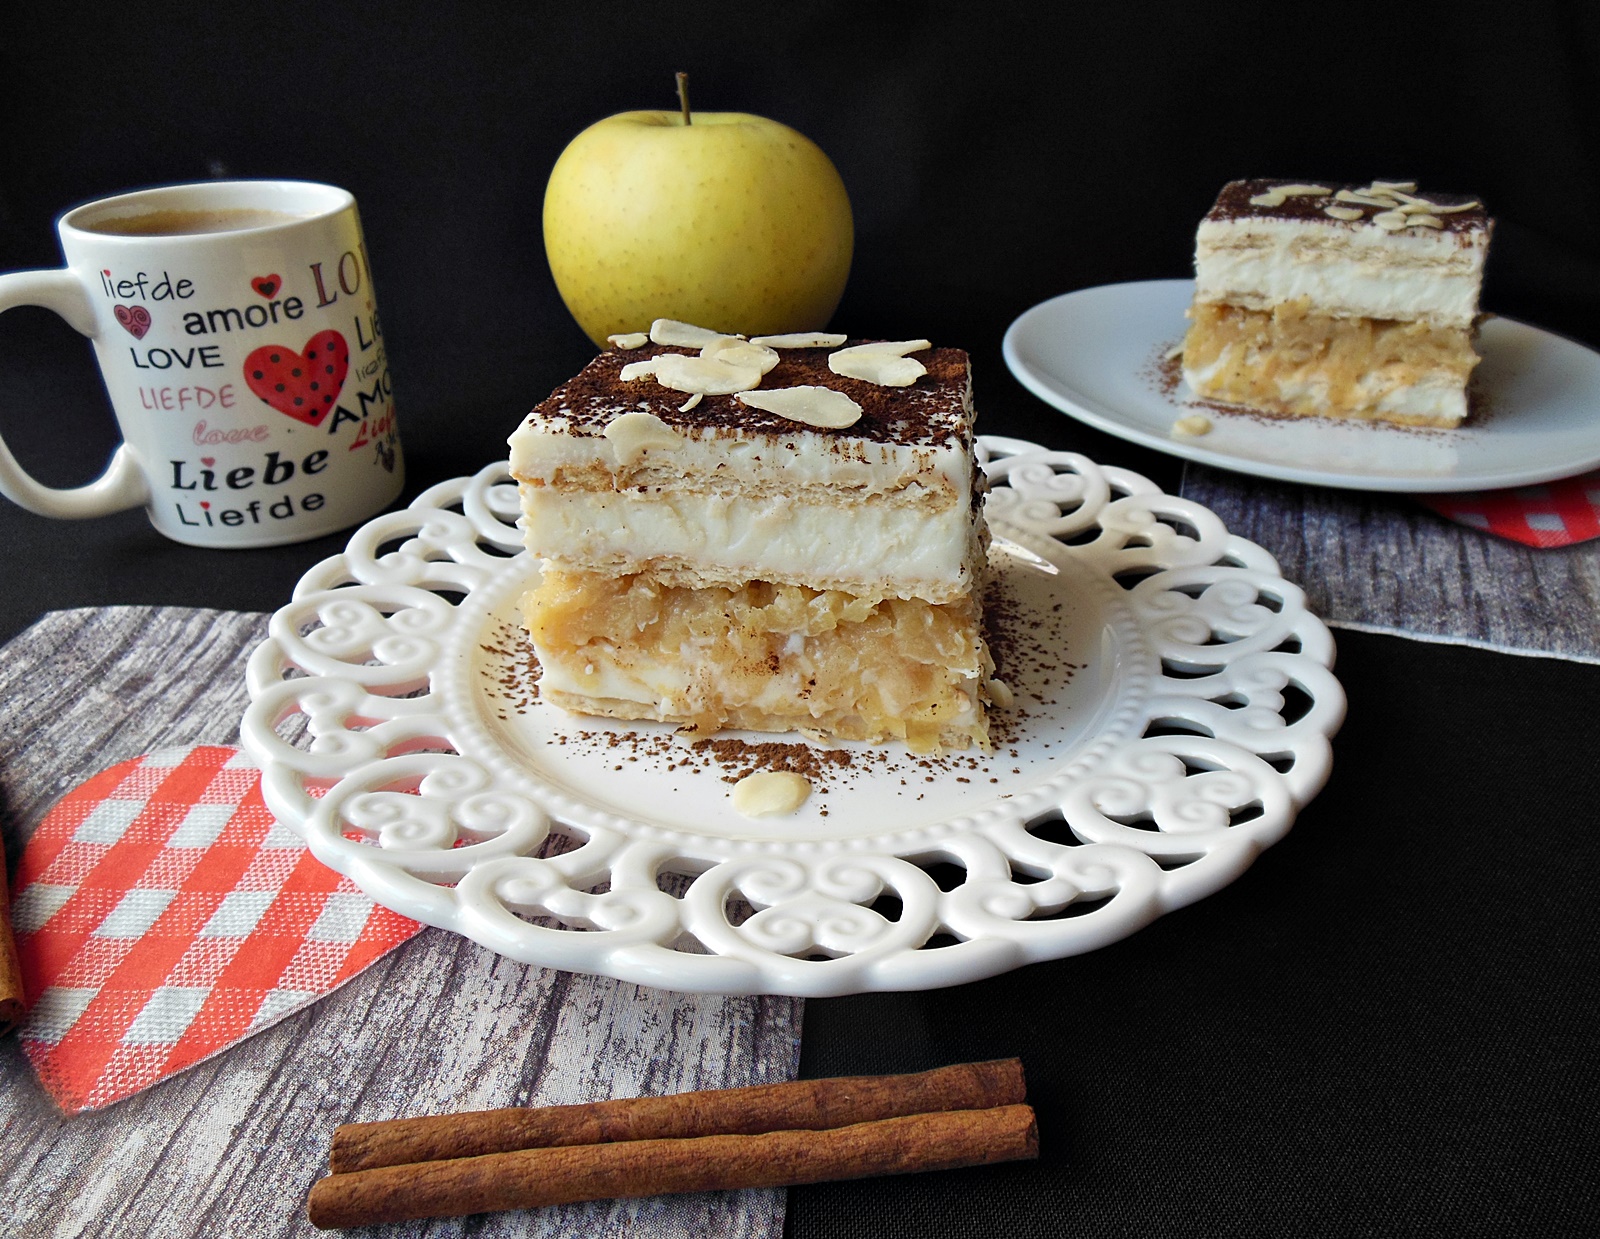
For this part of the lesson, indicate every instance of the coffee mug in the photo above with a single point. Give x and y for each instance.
(236, 331)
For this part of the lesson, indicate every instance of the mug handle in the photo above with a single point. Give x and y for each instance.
(123, 484)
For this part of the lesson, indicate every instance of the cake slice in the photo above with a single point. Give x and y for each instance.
(714, 564)
(1337, 301)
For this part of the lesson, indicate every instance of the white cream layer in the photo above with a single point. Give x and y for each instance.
(1346, 269)
(820, 509)
(873, 547)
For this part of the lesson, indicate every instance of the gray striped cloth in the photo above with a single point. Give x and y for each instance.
(1384, 563)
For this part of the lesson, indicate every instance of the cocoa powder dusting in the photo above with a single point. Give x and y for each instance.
(929, 413)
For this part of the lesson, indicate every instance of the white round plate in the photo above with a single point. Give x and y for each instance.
(1173, 710)
(1096, 354)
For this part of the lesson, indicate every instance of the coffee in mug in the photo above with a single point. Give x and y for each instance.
(236, 329)
(183, 223)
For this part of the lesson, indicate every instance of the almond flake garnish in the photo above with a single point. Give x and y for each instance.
(893, 348)
(739, 352)
(770, 793)
(682, 335)
(628, 340)
(1399, 207)
(883, 362)
(802, 339)
(1000, 693)
(884, 369)
(1193, 426)
(632, 434)
(708, 376)
(814, 406)
(1275, 196)
(691, 403)
(1365, 199)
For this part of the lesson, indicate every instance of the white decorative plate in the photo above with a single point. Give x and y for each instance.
(1096, 354)
(1174, 708)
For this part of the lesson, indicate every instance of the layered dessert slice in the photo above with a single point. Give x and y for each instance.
(714, 564)
(1337, 301)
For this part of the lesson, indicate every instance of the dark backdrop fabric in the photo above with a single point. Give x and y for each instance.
(1388, 1026)
(996, 155)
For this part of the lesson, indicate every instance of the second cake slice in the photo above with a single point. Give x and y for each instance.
(1337, 301)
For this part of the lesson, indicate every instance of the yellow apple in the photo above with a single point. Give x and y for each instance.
(731, 221)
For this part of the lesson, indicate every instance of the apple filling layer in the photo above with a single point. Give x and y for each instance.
(762, 657)
(1291, 361)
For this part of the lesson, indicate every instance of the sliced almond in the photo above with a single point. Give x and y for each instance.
(1192, 426)
(707, 375)
(639, 370)
(691, 403)
(737, 352)
(1276, 195)
(1000, 693)
(1451, 210)
(814, 406)
(682, 335)
(1390, 221)
(802, 339)
(628, 340)
(884, 369)
(1343, 212)
(1424, 221)
(1404, 187)
(883, 362)
(1350, 195)
(632, 434)
(770, 793)
(890, 348)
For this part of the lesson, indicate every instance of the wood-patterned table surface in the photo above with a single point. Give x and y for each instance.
(1384, 563)
(232, 1145)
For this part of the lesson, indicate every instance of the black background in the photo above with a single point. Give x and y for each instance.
(1388, 1026)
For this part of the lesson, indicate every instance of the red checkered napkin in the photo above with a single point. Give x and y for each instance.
(1555, 514)
(162, 915)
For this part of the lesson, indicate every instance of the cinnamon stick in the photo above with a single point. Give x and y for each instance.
(532, 1178)
(10, 968)
(800, 1105)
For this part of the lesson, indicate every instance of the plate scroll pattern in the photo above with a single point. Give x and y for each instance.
(1214, 733)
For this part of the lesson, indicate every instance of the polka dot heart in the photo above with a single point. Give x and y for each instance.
(302, 385)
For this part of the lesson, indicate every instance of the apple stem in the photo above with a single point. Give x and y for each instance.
(683, 97)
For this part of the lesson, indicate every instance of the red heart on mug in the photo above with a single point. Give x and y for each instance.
(267, 285)
(301, 385)
(135, 318)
